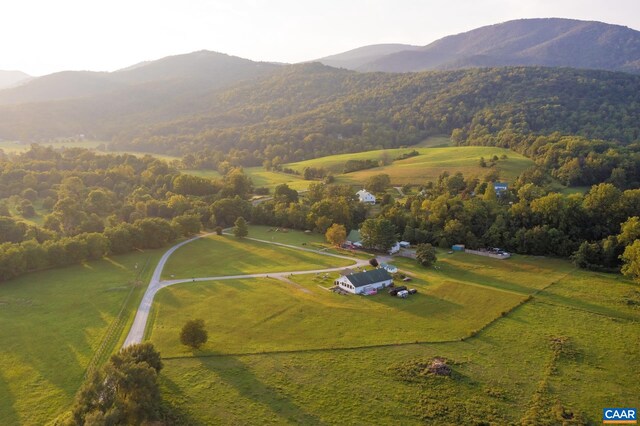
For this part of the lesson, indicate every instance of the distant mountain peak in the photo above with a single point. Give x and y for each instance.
(554, 42)
(13, 78)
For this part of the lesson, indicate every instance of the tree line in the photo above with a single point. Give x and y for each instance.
(91, 205)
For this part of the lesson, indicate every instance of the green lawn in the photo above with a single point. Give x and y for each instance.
(505, 374)
(52, 324)
(219, 255)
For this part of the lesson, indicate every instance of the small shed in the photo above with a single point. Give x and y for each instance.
(457, 247)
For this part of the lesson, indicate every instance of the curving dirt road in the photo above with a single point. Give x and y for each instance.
(136, 333)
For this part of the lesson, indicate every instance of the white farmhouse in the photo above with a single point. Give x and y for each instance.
(364, 282)
(366, 197)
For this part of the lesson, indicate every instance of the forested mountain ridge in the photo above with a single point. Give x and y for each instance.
(189, 73)
(355, 58)
(305, 111)
(309, 110)
(552, 42)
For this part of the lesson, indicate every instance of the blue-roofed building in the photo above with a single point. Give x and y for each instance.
(500, 187)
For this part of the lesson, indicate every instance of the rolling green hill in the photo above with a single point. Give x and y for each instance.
(427, 166)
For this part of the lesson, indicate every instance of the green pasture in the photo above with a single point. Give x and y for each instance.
(432, 162)
(507, 373)
(53, 324)
(465, 293)
(219, 255)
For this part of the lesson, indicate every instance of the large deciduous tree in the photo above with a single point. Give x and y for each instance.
(194, 334)
(631, 258)
(378, 183)
(378, 234)
(426, 254)
(240, 230)
(336, 234)
(125, 391)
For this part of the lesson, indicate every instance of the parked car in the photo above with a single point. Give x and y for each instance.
(412, 291)
(403, 294)
(394, 291)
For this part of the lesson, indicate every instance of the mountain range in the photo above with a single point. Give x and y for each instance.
(211, 99)
(551, 42)
(189, 71)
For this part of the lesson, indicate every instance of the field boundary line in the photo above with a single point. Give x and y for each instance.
(314, 350)
(575, 308)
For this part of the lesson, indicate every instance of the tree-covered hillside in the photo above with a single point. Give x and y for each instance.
(310, 111)
(306, 111)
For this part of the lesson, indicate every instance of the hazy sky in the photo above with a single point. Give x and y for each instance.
(44, 36)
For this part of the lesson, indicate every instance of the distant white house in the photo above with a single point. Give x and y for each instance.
(366, 197)
(364, 282)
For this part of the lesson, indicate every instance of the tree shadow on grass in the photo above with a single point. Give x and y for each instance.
(237, 374)
(8, 414)
(173, 410)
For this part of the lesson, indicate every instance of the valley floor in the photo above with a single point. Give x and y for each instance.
(529, 339)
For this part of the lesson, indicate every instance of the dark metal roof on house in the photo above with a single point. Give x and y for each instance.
(368, 277)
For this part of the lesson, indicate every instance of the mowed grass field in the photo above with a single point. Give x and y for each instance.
(219, 255)
(458, 299)
(53, 322)
(273, 356)
(259, 176)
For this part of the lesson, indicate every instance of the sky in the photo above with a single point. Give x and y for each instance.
(44, 36)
